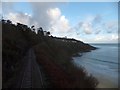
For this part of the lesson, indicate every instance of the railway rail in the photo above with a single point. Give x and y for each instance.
(32, 75)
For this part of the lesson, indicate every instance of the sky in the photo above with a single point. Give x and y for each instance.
(90, 22)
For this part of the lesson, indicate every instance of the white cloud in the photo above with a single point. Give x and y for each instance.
(50, 17)
(85, 26)
(23, 18)
(54, 14)
(89, 24)
(111, 26)
(59, 23)
(45, 15)
(106, 38)
(114, 37)
(99, 38)
(40, 13)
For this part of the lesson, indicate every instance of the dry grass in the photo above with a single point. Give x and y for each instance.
(56, 61)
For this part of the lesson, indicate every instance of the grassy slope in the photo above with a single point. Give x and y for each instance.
(55, 56)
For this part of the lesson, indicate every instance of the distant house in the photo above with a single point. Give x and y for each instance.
(40, 31)
(46, 33)
(74, 41)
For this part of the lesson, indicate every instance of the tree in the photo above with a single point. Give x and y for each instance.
(9, 22)
(3, 21)
(22, 26)
(33, 28)
(40, 31)
(48, 33)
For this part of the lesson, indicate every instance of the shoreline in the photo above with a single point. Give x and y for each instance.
(106, 84)
(63, 69)
(105, 81)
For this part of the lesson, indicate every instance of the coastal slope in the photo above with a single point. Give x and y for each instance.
(53, 54)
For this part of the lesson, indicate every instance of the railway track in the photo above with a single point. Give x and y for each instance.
(32, 76)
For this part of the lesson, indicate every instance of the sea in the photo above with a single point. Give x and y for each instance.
(101, 63)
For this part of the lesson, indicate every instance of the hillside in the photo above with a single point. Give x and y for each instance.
(54, 54)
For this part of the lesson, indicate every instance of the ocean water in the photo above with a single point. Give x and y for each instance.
(102, 63)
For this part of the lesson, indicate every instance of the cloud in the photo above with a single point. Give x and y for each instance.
(106, 38)
(51, 18)
(40, 13)
(45, 15)
(89, 25)
(59, 23)
(54, 13)
(101, 38)
(97, 31)
(97, 19)
(96, 25)
(85, 26)
(114, 37)
(9, 12)
(23, 18)
(111, 26)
